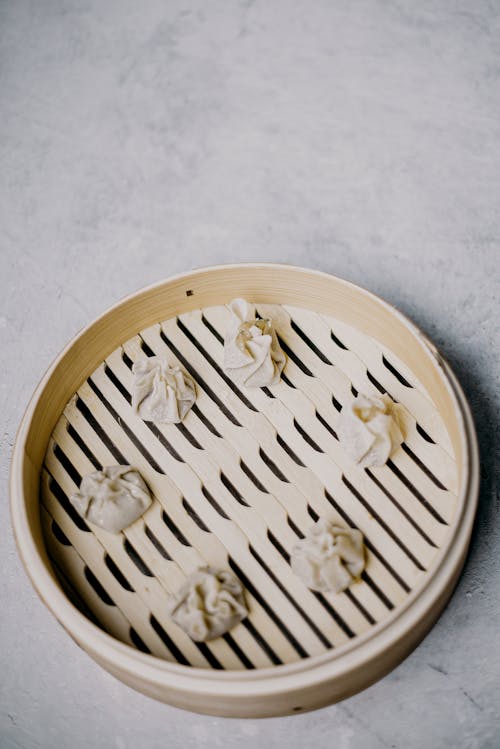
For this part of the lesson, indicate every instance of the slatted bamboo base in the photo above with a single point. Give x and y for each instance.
(238, 483)
(235, 485)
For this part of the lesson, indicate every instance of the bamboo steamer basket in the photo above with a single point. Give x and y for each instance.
(238, 482)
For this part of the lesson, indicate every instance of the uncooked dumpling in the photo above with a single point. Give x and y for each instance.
(112, 498)
(161, 393)
(368, 429)
(252, 354)
(208, 604)
(329, 558)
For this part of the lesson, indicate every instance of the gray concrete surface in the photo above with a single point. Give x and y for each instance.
(361, 137)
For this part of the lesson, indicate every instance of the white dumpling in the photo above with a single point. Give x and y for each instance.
(369, 430)
(252, 354)
(329, 558)
(161, 393)
(209, 603)
(113, 498)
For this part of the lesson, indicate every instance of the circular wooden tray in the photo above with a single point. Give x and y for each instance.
(238, 482)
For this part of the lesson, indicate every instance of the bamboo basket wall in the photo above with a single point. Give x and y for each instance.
(238, 482)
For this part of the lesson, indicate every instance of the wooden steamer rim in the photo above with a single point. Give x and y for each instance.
(318, 679)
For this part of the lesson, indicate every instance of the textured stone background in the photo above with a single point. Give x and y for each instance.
(140, 139)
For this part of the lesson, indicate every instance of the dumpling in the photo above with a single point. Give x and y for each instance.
(252, 354)
(161, 393)
(329, 558)
(208, 604)
(113, 498)
(369, 430)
